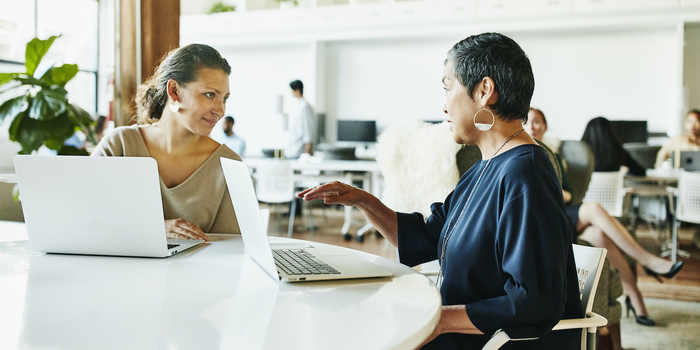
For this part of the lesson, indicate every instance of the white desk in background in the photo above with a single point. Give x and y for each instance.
(367, 171)
(660, 184)
(214, 297)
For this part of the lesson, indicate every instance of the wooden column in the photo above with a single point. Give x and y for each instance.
(160, 32)
(146, 30)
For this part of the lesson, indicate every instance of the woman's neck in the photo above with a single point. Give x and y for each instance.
(172, 137)
(492, 141)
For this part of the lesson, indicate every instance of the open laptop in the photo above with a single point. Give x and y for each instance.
(289, 265)
(95, 206)
(690, 160)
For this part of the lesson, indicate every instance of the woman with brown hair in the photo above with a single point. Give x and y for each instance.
(177, 109)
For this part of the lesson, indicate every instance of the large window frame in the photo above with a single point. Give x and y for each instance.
(93, 110)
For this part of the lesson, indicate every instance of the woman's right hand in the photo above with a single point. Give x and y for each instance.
(183, 229)
(334, 192)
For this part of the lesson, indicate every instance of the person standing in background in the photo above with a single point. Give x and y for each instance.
(228, 138)
(302, 130)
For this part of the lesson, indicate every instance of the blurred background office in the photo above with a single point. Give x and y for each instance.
(375, 60)
(369, 64)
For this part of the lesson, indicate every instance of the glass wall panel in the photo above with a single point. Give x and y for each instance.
(76, 20)
(16, 28)
(82, 91)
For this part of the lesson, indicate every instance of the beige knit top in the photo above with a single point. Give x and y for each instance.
(680, 142)
(202, 199)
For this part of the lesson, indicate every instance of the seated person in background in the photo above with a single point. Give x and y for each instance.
(177, 109)
(685, 142)
(592, 223)
(228, 138)
(78, 140)
(100, 125)
(607, 148)
(506, 260)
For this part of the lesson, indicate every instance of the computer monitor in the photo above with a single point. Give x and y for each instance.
(357, 131)
(631, 130)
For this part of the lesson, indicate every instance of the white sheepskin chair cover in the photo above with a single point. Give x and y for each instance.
(418, 162)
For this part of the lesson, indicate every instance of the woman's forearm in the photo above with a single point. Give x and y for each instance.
(378, 214)
(381, 217)
(453, 319)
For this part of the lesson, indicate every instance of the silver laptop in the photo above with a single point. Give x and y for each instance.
(690, 160)
(289, 265)
(94, 205)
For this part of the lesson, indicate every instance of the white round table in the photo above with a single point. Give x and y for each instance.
(214, 297)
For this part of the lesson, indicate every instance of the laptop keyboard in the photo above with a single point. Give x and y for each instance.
(171, 246)
(301, 262)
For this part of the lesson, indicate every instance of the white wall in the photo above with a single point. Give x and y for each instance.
(623, 75)
(258, 75)
(388, 81)
(626, 75)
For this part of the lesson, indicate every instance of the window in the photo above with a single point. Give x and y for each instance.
(75, 20)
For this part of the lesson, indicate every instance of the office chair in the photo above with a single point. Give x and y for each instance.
(274, 184)
(606, 188)
(589, 264)
(580, 165)
(643, 153)
(687, 209)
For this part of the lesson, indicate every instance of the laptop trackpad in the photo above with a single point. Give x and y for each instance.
(352, 265)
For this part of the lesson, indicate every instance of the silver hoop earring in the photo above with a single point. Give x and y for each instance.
(482, 126)
(174, 107)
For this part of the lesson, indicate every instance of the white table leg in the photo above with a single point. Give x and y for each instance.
(674, 238)
(348, 220)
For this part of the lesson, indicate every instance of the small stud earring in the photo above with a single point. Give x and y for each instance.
(174, 107)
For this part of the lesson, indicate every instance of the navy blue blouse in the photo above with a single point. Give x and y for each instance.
(509, 259)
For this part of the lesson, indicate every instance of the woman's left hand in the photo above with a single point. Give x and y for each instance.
(183, 229)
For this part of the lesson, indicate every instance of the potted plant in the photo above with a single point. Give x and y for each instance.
(42, 114)
(285, 4)
(220, 7)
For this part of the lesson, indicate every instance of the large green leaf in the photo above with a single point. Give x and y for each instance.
(32, 133)
(11, 107)
(54, 144)
(57, 101)
(47, 105)
(60, 75)
(83, 119)
(18, 133)
(31, 81)
(14, 126)
(60, 128)
(39, 108)
(6, 78)
(36, 49)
